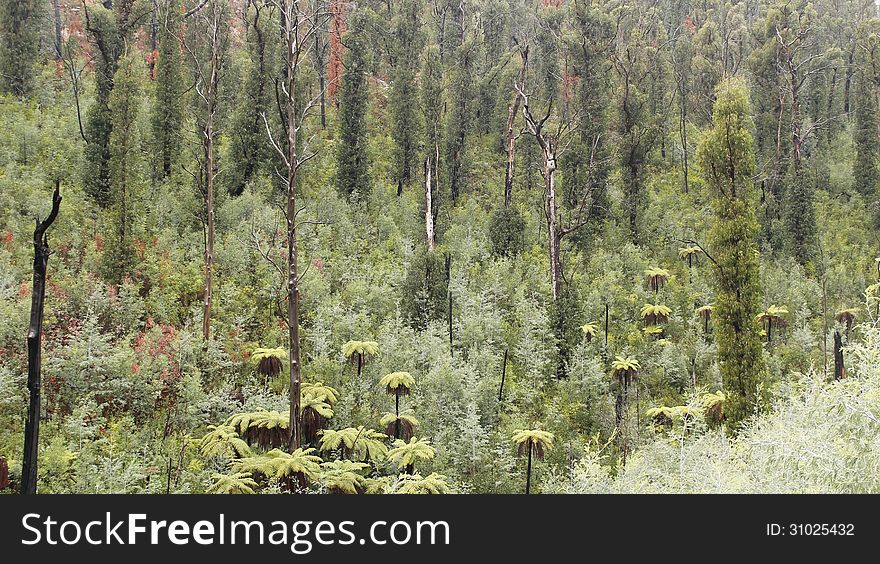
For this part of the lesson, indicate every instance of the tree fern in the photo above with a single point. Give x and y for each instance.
(222, 441)
(405, 454)
(344, 476)
(238, 483)
(300, 467)
(357, 443)
(404, 422)
(433, 483)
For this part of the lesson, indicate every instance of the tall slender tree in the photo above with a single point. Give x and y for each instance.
(206, 44)
(167, 110)
(404, 89)
(352, 170)
(19, 44)
(727, 160)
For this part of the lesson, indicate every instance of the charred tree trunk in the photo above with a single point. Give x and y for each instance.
(503, 374)
(397, 413)
(529, 470)
(34, 338)
(839, 368)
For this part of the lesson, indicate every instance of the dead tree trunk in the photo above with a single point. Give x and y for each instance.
(429, 206)
(839, 368)
(548, 144)
(513, 108)
(34, 337)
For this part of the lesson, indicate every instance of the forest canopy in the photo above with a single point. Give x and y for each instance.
(439, 246)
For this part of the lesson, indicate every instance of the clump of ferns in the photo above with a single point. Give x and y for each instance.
(237, 483)
(266, 429)
(222, 441)
(432, 484)
(358, 352)
(656, 278)
(690, 254)
(654, 331)
(705, 315)
(268, 363)
(293, 471)
(772, 317)
(344, 477)
(355, 443)
(653, 314)
(405, 454)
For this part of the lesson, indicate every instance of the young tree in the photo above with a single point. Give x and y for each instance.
(727, 160)
(352, 175)
(460, 117)
(124, 104)
(109, 26)
(300, 22)
(19, 44)
(167, 111)
(637, 61)
(34, 337)
(404, 89)
(866, 171)
(248, 149)
(206, 44)
(793, 26)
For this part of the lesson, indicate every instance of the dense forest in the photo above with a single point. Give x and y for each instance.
(439, 246)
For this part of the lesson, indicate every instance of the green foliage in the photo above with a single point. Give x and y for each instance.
(535, 439)
(727, 159)
(351, 172)
(507, 232)
(362, 348)
(222, 441)
(356, 443)
(19, 45)
(397, 383)
(238, 483)
(300, 465)
(343, 476)
(167, 109)
(433, 483)
(405, 454)
(424, 296)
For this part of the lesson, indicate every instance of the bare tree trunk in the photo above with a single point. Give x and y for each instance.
(529, 470)
(513, 108)
(292, 39)
(503, 374)
(839, 368)
(209, 237)
(429, 206)
(34, 337)
(554, 233)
